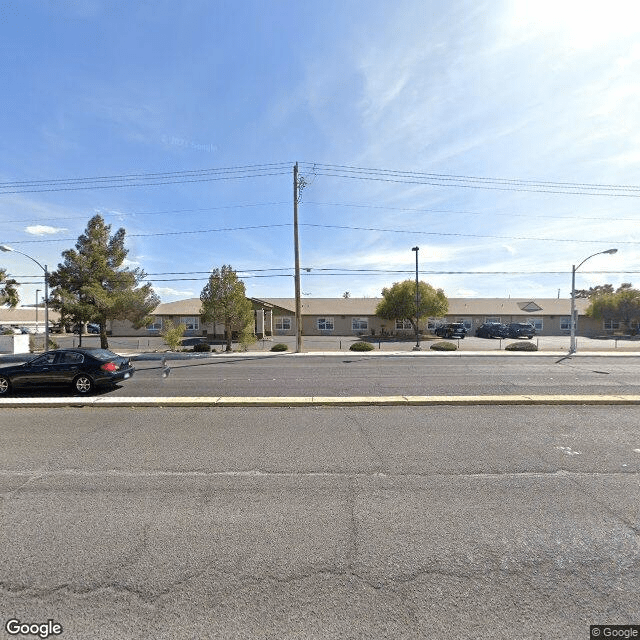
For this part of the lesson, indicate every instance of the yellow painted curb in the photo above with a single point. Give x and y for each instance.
(305, 401)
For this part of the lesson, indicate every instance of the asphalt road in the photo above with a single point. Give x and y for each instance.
(357, 375)
(441, 522)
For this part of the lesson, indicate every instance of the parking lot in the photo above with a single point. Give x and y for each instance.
(342, 343)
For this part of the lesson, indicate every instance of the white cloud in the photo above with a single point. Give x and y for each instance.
(167, 294)
(43, 230)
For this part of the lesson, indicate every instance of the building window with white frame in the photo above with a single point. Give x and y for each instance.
(537, 323)
(156, 325)
(611, 325)
(325, 324)
(565, 323)
(492, 319)
(191, 323)
(283, 323)
(403, 324)
(359, 324)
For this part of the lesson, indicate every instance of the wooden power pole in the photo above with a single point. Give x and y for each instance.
(297, 260)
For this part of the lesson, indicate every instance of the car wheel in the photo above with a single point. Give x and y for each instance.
(83, 384)
(5, 386)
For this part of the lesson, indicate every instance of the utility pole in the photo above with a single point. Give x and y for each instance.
(296, 246)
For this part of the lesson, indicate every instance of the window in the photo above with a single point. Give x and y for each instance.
(156, 325)
(492, 319)
(325, 324)
(611, 325)
(565, 323)
(403, 324)
(72, 358)
(537, 323)
(467, 322)
(191, 323)
(359, 324)
(283, 323)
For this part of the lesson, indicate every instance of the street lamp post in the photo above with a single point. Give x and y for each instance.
(37, 292)
(4, 247)
(417, 347)
(574, 319)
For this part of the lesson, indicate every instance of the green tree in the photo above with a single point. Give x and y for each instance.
(224, 301)
(92, 285)
(172, 334)
(399, 302)
(598, 290)
(623, 305)
(8, 290)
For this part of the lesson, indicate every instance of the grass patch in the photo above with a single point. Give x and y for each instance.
(281, 346)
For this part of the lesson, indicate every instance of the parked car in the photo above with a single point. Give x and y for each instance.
(83, 369)
(8, 330)
(451, 330)
(30, 330)
(92, 327)
(492, 330)
(521, 330)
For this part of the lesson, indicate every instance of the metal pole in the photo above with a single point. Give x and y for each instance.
(572, 342)
(417, 347)
(37, 292)
(297, 261)
(46, 308)
(574, 316)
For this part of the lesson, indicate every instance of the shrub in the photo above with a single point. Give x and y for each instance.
(361, 346)
(202, 346)
(443, 346)
(281, 346)
(521, 346)
(172, 334)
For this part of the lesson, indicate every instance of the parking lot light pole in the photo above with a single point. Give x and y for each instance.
(574, 319)
(417, 347)
(37, 292)
(4, 247)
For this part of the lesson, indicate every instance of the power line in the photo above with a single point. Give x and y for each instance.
(475, 182)
(355, 272)
(319, 169)
(343, 227)
(471, 213)
(145, 179)
(120, 214)
(461, 235)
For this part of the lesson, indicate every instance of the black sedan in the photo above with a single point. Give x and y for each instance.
(83, 369)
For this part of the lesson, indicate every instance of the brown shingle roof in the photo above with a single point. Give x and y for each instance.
(458, 307)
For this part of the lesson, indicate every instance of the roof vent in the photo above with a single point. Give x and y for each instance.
(530, 306)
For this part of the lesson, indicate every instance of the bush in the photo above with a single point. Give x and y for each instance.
(443, 346)
(361, 346)
(202, 346)
(281, 346)
(521, 346)
(172, 334)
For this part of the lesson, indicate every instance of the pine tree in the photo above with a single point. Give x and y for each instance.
(8, 290)
(92, 285)
(224, 301)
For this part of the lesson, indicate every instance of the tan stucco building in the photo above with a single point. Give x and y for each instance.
(356, 316)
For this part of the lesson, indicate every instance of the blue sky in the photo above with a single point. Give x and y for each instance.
(531, 91)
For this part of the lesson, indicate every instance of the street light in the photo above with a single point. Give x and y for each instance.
(417, 347)
(37, 292)
(574, 319)
(4, 247)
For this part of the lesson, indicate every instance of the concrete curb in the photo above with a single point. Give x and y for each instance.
(329, 401)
